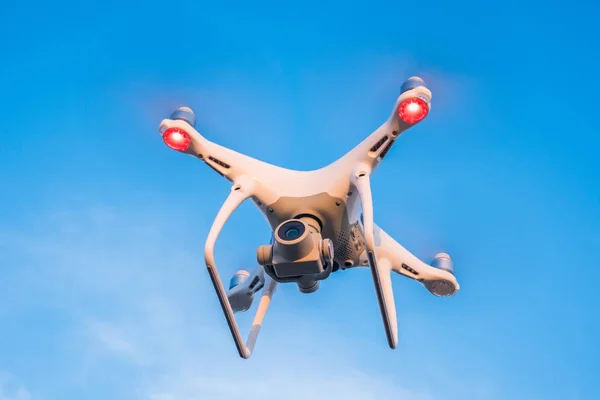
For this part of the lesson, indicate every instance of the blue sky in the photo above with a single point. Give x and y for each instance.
(103, 291)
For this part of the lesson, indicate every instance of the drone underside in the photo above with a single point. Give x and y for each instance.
(321, 220)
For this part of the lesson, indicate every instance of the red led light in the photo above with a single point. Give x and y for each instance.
(413, 110)
(177, 139)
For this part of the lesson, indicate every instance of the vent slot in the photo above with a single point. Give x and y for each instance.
(409, 269)
(385, 151)
(258, 288)
(379, 143)
(254, 282)
(219, 162)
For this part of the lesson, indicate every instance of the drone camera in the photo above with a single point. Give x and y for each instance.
(294, 240)
(298, 251)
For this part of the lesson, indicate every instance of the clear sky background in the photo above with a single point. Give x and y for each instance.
(103, 289)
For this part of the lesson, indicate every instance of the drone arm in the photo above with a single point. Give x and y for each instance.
(373, 149)
(380, 269)
(243, 188)
(407, 264)
(226, 162)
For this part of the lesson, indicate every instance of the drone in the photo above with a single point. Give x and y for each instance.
(321, 220)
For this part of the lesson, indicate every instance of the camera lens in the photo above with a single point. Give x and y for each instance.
(292, 233)
(291, 230)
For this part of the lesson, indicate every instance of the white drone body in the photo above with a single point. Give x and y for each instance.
(322, 220)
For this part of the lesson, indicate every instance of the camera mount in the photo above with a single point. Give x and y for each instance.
(298, 253)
